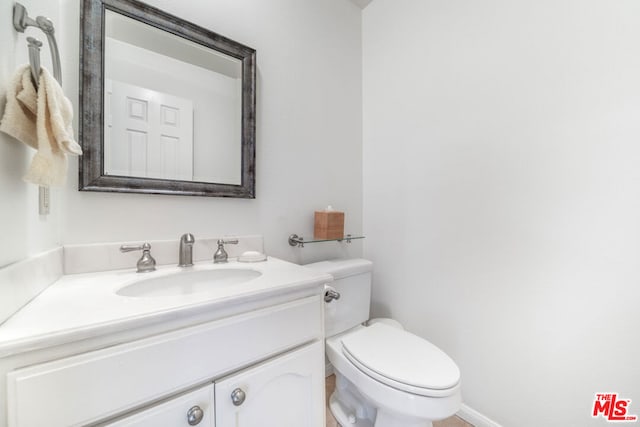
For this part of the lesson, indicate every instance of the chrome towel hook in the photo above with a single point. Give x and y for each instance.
(21, 21)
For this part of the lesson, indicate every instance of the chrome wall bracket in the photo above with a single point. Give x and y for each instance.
(295, 240)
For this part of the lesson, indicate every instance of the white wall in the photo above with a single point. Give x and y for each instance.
(502, 195)
(23, 232)
(308, 132)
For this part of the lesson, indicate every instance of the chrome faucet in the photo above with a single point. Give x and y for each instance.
(146, 262)
(185, 255)
(221, 255)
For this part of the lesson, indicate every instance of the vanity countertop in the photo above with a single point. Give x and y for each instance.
(79, 306)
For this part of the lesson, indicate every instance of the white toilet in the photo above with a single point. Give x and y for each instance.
(385, 376)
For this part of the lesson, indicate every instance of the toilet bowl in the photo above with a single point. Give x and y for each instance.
(385, 376)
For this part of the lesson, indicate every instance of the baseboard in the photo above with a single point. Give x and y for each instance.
(475, 418)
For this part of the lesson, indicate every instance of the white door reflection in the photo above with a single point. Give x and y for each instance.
(150, 133)
(141, 59)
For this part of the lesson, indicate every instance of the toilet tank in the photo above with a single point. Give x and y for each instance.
(352, 279)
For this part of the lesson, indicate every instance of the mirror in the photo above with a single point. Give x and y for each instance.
(166, 106)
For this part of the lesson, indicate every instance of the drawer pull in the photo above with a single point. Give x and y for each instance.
(195, 415)
(238, 396)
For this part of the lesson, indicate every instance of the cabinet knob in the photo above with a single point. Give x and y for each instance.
(195, 415)
(238, 396)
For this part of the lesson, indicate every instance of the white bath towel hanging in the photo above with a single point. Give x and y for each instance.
(19, 119)
(41, 119)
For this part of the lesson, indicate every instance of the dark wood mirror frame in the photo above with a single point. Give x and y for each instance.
(91, 168)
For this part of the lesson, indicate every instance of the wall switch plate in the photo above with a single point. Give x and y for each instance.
(44, 200)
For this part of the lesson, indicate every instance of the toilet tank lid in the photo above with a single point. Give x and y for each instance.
(340, 268)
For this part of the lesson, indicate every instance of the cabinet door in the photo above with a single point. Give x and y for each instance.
(193, 408)
(287, 391)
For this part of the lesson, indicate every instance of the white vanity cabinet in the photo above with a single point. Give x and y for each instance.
(273, 354)
(285, 391)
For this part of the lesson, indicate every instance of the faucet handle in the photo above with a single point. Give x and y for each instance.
(221, 255)
(130, 248)
(146, 262)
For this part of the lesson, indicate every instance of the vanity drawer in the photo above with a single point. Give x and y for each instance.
(103, 383)
(174, 412)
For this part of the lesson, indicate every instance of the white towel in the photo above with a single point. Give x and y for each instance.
(41, 119)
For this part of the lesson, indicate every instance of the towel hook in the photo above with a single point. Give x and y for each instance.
(34, 58)
(21, 21)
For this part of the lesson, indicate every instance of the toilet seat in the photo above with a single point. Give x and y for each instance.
(401, 360)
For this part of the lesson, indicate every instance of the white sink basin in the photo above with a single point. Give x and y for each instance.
(188, 282)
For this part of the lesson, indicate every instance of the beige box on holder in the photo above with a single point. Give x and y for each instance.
(328, 224)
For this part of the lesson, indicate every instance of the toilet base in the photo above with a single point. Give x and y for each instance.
(351, 409)
(346, 416)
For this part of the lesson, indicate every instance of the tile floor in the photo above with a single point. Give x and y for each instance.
(330, 384)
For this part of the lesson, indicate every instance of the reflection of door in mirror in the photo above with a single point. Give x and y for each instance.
(150, 133)
(155, 81)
